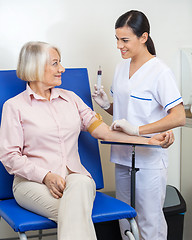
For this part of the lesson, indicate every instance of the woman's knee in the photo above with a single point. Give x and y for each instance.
(80, 181)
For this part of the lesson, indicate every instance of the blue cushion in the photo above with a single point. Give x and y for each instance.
(105, 208)
(22, 220)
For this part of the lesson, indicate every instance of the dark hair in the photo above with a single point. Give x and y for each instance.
(139, 23)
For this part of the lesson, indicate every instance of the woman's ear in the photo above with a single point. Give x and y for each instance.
(144, 37)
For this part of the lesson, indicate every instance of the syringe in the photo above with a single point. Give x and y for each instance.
(99, 73)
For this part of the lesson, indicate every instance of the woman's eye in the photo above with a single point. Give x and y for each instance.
(55, 63)
(125, 41)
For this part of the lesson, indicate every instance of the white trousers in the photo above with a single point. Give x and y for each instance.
(72, 212)
(150, 196)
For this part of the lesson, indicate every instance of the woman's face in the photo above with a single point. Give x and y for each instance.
(53, 69)
(128, 43)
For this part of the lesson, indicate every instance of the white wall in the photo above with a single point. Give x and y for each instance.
(186, 183)
(84, 32)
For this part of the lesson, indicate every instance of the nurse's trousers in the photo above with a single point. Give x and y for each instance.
(72, 212)
(149, 200)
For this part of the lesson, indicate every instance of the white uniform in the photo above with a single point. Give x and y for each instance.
(144, 98)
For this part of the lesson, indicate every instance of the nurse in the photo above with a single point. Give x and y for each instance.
(146, 100)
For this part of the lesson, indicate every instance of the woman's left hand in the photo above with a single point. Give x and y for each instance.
(164, 139)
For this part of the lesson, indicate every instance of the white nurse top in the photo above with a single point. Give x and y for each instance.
(144, 98)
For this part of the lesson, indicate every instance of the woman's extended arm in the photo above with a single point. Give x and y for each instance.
(104, 132)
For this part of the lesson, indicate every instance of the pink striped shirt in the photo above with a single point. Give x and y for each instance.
(38, 136)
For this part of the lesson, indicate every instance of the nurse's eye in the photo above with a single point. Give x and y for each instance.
(125, 40)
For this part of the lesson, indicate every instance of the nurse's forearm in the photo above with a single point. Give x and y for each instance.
(175, 118)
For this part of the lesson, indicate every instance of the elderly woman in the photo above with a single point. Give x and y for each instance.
(39, 144)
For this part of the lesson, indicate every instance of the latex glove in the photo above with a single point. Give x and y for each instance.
(124, 126)
(100, 97)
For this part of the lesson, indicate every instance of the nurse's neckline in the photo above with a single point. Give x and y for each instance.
(137, 69)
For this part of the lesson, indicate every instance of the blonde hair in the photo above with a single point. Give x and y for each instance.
(32, 60)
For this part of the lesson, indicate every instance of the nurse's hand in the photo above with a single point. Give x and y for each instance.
(55, 184)
(100, 97)
(124, 126)
(164, 139)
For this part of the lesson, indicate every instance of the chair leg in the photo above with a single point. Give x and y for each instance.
(40, 234)
(129, 235)
(134, 228)
(22, 236)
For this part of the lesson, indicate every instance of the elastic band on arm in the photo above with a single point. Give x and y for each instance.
(95, 124)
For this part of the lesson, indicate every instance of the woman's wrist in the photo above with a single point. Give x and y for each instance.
(44, 179)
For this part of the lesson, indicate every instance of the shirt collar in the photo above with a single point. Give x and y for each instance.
(55, 93)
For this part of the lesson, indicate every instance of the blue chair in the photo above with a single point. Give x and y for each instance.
(105, 208)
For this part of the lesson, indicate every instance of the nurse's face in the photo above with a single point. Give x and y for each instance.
(128, 43)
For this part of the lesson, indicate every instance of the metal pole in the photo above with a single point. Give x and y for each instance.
(133, 177)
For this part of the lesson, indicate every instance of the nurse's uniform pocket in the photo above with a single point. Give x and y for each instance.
(140, 104)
